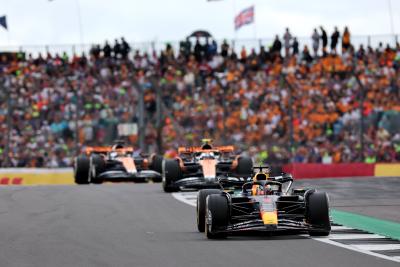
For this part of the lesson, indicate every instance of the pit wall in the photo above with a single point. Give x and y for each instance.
(315, 170)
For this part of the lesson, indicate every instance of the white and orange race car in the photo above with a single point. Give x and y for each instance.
(117, 163)
(199, 167)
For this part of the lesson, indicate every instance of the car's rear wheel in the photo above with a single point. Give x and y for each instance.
(245, 167)
(82, 169)
(171, 173)
(201, 206)
(216, 219)
(317, 213)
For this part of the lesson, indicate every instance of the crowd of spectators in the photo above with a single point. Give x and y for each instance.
(237, 97)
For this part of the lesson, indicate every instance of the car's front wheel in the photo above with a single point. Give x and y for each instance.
(171, 173)
(201, 206)
(216, 219)
(317, 213)
(82, 169)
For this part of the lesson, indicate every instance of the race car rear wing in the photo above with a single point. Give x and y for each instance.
(106, 149)
(192, 149)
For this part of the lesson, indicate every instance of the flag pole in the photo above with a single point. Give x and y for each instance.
(391, 17)
(254, 22)
(78, 9)
(234, 28)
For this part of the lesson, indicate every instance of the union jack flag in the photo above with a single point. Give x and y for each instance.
(245, 17)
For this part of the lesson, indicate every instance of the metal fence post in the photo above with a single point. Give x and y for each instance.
(141, 118)
(225, 107)
(159, 118)
(361, 110)
(77, 113)
(284, 81)
(7, 90)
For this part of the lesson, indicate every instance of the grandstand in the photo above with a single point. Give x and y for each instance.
(277, 106)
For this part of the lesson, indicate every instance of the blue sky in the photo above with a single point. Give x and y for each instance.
(43, 22)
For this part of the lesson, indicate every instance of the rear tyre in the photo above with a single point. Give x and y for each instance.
(201, 207)
(245, 167)
(318, 213)
(171, 173)
(216, 216)
(82, 169)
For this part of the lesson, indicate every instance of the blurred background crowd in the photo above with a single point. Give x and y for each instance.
(279, 103)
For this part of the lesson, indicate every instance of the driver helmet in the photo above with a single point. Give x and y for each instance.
(116, 152)
(257, 190)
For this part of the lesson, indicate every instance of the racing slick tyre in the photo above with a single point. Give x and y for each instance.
(317, 213)
(171, 173)
(98, 166)
(201, 207)
(245, 166)
(156, 163)
(82, 169)
(217, 212)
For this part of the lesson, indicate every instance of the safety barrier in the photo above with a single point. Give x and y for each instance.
(64, 176)
(385, 170)
(316, 170)
(32, 176)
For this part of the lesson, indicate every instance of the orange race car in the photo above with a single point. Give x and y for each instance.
(199, 167)
(117, 163)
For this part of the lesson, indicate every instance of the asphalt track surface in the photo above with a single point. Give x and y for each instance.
(375, 197)
(139, 225)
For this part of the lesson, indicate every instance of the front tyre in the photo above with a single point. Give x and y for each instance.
(317, 213)
(201, 207)
(82, 170)
(156, 163)
(98, 166)
(216, 220)
(171, 173)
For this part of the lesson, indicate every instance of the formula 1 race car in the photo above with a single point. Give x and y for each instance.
(199, 167)
(116, 163)
(261, 203)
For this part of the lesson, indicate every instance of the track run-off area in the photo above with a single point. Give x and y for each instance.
(140, 225)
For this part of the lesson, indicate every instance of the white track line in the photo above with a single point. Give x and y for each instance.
(377, 247)
(183, 199)
(328, 241)
(353, 236)
(338, 228)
